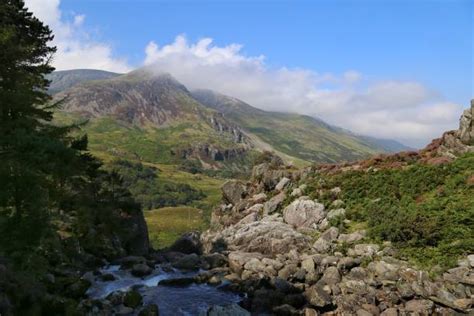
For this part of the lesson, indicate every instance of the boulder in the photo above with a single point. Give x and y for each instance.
(420, 306)
(304, 213)
(282, 184)
(258, 198)
(233, 191)
(273, 204)
(268, 236)
(330, 234)
(331, 276)
(364, 250)
(238, 259)
(227, 310)
(132, 299)
(150, 310)
(322, 245)
(466, 126)
(188, 262)
(353, 237)
(215, 260)
(188, 243)
(141, 270)
(316, 296)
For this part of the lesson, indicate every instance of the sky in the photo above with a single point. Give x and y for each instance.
(392, 69)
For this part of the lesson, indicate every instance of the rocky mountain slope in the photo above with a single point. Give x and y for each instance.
(386, 236)
(302, 136)
(65, 79)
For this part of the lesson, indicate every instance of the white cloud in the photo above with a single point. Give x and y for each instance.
(75, 48)
(407, 111)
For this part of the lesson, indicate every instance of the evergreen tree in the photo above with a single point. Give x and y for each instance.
(33, 151)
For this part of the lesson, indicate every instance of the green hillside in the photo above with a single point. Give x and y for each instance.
(296, 135)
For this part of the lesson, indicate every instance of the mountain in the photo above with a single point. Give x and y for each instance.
(65, 79)
(296, 135)
(157, 119)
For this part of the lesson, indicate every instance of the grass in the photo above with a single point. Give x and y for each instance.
(167, 224)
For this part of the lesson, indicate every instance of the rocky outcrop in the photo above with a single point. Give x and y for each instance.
(292, 261)
(457, 142)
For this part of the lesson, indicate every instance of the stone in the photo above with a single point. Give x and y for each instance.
(322, 245)
(352, 238)
(390, 312)
(296, 192)
(363, 312)
(331, 276)
(273, 204)
(466, 126)
(285, 310)
(254, 265)
(347, 263)
(339, 212)
(421, 306)
(141, 270)
(227, 310)
(384, 270)
(177, 282)
(188, 243)
(238, 259)
(150, 310)
(310, 312)
(470, 259)
(215, 260)
(188, 262)
(316, 296)
(282, 184)
(330, 234)
(268, 236)
(365, 250)
(252, 217)
(259, 198)
(132, 299)
(130, 261)
(303, 213)
(233, 191)
(287, 271)
(308, 265)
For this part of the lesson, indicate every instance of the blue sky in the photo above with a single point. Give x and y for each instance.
(425, 43)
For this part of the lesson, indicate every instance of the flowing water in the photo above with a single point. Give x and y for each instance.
(171, 300)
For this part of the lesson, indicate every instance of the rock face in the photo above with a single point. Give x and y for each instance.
(458, 142)
(466, 126)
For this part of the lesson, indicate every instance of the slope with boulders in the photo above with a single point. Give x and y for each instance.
(390, 235)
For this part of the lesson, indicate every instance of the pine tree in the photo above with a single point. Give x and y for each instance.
(33, 151)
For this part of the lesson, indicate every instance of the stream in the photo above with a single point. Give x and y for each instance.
(192, 299)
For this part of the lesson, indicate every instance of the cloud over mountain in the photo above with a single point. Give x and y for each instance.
(407, 111)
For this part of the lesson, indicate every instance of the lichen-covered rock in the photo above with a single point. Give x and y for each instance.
(233, 191)
(304, 213)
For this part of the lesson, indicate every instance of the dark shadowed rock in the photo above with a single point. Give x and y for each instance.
(188, 243)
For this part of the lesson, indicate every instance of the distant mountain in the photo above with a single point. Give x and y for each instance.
(65, 79)
(296, 135)
(155, 118)
(388, 145)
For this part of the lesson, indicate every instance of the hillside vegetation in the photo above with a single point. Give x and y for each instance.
(427, 211)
